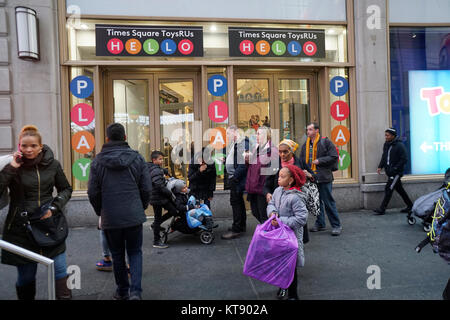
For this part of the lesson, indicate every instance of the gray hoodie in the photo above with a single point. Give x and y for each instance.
(290, 205)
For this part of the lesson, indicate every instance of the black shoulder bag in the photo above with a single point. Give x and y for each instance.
(49, 232)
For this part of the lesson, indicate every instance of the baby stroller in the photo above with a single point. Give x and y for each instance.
(198, 221)
(424, 206)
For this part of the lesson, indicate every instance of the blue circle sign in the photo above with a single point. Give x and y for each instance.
(338, 86)
(81, 87)
(168, 46)
(294, 48)
(217, 85)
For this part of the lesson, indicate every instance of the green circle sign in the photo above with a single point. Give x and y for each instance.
(81, 169)
(151, 46)
(279, 48)
(344, 160)
(220, 166)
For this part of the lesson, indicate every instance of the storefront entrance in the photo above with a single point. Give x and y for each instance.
(158, 109)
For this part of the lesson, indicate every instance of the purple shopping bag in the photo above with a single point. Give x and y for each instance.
(272, 254)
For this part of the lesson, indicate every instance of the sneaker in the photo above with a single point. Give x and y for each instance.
(159, 244)
(230, 235)
(135, 296)
(282, 294)
(406, 210)
(104, 265)
(317, 229)
(379, 212)
(118, 296)
(336, 231)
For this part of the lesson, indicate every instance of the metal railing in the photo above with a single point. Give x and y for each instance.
(49, 263)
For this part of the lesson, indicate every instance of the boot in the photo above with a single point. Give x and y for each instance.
(61, 290)
(26, 292)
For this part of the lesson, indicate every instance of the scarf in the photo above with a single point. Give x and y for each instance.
(314, 151)
(284, 164)
(28, 163)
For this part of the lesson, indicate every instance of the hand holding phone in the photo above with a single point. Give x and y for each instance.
(17, 158)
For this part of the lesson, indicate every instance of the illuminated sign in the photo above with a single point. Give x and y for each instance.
(429, 96)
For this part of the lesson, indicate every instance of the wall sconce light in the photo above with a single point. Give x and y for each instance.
(27, 34)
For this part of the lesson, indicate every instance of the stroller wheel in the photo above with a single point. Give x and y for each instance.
(411, 221)
(206, 237)
(427, 227)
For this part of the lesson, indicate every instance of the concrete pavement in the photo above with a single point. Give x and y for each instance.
(336, 267)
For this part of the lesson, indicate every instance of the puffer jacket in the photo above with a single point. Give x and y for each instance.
(38, 183)
(394, 158)
(290, 206)
(160, 195)
(119, 186)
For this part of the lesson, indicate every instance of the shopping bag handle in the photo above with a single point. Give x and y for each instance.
(267, 226)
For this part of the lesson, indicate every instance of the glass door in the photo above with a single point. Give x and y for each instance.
(294, 104)
(130, 104)
(176, 114)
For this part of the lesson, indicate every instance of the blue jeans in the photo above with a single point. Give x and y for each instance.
(328, 205)
(129, 240)
(27, 272)
(104, 242)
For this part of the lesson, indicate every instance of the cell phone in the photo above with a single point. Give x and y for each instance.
(19, 160)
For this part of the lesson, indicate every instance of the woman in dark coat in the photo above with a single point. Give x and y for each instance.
(202, 178)
(31, 177)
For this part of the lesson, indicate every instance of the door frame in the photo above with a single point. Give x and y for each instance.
(153, 78)
(274, 76)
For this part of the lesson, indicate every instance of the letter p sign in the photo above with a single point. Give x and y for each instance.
(217, 85)
(81, 87)
(338, 86)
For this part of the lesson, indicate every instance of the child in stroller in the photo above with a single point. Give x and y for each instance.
(423, 207)
(192, 218)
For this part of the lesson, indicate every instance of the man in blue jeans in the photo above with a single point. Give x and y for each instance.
(119, 191)
(321, 156)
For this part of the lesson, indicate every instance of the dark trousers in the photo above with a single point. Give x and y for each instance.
(127, 240)
(258, 204)
(394, 183)
(446, 293)
(292, 290)
(159, 218)
(238, 206)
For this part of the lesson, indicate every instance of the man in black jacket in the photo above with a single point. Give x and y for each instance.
(119, 189)
(393, 161)
(321, 156)
(237, 175)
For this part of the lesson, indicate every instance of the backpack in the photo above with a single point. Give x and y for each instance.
(439, 234)
(334, 167)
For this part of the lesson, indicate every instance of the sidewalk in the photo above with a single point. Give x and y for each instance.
(336, 267)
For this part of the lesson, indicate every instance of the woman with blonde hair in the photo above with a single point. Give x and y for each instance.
(31, 178)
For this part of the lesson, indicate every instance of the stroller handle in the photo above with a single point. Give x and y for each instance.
(422, 244)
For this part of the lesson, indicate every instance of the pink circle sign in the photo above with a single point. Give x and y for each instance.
(340, 110)
(218, 111)
(82, 114)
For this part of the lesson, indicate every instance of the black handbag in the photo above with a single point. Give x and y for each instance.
(48, 232)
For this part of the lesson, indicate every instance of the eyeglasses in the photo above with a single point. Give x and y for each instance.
(285, 151)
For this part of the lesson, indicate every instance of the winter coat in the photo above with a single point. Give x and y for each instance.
(271, 182)
(328, 158)
(119, 186)
(259, 160)
(181, 200)
(159, 195)
(38, 183)
(290, 206)
(239, 176)
(202, 184)
(394, 158)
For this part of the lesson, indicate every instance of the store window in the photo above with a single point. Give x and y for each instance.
(420, 91)
(82, 41)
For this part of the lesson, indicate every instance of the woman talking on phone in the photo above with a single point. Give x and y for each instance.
(31, 178)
